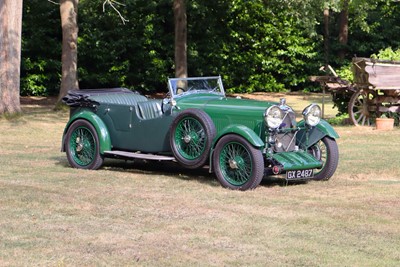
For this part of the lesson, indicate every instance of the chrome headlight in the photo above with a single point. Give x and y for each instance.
(273, 116)
(312, 114)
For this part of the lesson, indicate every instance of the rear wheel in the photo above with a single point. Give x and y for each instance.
(192, 133)
(82, 146)
(237, 164)
(325, 150)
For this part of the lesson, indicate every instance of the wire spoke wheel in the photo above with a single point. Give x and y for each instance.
(319, 151)
(190, 138)
(82, 146)
(192, 133)
(361, 107)
(237, 164)
(325, 150)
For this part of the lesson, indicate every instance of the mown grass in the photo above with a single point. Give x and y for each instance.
(150, 214)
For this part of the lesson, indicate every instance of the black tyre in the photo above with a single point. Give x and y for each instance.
(327, 151)
(192, 133)
(82, 146)
(237, 164)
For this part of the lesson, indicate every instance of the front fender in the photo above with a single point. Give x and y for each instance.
(308, 136)
(98, 124)
(243, 131)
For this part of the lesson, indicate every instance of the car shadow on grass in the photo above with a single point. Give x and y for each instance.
(270, 181)
(201, 175)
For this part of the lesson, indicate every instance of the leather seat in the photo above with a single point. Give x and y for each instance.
(149, 109)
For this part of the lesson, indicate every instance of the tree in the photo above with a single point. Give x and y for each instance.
(355, 17)
(343, 28)
(255, 45)
(137, 55)
(326, 36)
(10, 55)
(70, 29)
(69, 25)
(180, 38)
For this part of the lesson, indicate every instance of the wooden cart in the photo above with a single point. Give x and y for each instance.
(377, 84)
(375, 90)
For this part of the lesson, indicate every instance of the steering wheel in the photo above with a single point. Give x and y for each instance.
(180, 90)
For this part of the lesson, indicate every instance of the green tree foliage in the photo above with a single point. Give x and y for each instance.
(387, 54)
(257, 45)
(138, 54)
(41, 48)
(254, 45)
(380, 30)
(373, 25)
(267, 50)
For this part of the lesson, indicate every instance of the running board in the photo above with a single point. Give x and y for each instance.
(126, 154)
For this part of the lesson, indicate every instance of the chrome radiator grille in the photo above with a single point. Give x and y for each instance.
(285, 139)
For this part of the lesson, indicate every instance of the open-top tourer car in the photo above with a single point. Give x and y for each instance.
(197, 125)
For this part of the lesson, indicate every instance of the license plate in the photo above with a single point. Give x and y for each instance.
(299, 175)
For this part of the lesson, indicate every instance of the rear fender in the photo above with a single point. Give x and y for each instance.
(308, 136)
(98, 124)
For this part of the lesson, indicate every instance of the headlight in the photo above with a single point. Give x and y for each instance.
(312, 114)
(273, 117)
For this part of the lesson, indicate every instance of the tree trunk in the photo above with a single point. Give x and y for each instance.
(326, 36)
(10, 55)
(343, 29)
(180, 38)
(69, 58)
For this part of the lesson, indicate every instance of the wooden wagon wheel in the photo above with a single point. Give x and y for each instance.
(362, 107)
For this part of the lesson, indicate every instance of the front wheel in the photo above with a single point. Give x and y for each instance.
(82, 146)
(325, 150)
(237, 164)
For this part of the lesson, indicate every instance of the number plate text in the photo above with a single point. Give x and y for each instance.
(300, 174)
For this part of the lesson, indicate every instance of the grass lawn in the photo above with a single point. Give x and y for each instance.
(151, 214)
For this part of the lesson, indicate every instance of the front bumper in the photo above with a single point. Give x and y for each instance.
(292, 161)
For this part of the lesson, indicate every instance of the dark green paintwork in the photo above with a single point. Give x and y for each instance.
(129, 132)
(231, 115)
(120, 126)
(249, 134)
(96, 121)
(309, 136)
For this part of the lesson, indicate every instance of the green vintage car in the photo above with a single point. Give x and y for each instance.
(197, 125)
